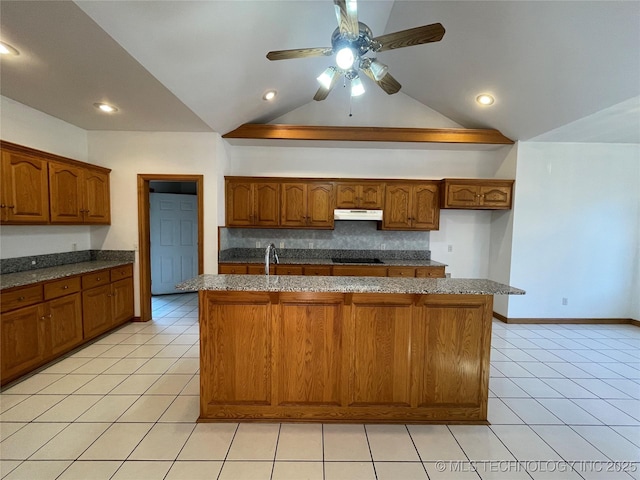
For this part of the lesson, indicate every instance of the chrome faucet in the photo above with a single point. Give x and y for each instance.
(267, 257)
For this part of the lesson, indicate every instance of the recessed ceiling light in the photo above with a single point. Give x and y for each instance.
(485, 99)
(269, 95)
(6, 49)
(105, 107)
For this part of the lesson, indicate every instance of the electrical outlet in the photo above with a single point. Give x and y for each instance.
(382, 246)
(310, 244)
(449, 248)
(565, 301)
(258, 244)
(281, 244)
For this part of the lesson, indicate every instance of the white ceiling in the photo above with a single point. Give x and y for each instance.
(200, 65)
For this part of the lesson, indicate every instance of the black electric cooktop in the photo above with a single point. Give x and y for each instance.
(356, 260)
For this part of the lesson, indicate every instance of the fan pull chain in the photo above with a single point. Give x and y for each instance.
(350, 114)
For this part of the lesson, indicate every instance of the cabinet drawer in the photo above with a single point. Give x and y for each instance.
(119, 273)
(232, 269)
(319, 270)
(401, 272)
(430, 272)
(20, 297)
(96, 279)
(288, 270)
(364, 271)
(60, 288)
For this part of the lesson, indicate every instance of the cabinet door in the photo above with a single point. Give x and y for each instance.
(495, 197)
(347, 195)
(426, 210)
(320, 205)
(461, 196)
(371, 196)
(397, 204)
(97, 198)
(25, 191)
(293, 205)
(266, 204)
(22, 338)
(401, 272)
(122, 301)
(96, 310)
(64, 319)
(430, 272)
(359, 271)
(239, 204)
(65, 193)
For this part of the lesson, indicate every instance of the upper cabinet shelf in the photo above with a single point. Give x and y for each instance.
(257, 131)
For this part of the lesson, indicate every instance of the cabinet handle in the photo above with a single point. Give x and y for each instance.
(50, 315)
(66, 287)
(20, 299)
(98, 279)
(3, 205)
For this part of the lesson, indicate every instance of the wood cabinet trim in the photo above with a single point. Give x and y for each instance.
(368, 134)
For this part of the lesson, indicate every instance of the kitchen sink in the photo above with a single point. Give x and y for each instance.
(356, 260)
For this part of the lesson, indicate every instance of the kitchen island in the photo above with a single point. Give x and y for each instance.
(344, 349)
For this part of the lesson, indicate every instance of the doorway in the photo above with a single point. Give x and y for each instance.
(144, 231)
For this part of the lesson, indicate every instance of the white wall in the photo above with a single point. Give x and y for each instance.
(131, 153)
(502, 236)
(25, 126)
(467, 231)
(575, 231)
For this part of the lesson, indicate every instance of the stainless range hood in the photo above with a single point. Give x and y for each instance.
(357, 214)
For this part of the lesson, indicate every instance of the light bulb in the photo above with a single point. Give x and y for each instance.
(357, 88)
(269, 95)
(106, 108)
(6, 49)
(345, 58)
(485, 99)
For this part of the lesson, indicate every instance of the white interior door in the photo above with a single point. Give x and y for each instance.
(174, 240)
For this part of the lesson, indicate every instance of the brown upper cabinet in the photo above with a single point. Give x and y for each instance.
(478, 194)
(24, 190)
(40, 188)
(411, 206)
(251, 203)
(78, 194)
(359, 195)
(307, 204)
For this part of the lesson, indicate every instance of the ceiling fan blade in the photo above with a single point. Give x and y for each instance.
(387, 83)
(412, 36)
(299, 53)
(347, 14)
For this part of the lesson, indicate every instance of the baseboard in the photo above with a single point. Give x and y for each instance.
(572, 321)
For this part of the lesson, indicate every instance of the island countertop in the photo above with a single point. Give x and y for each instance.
(320, 284)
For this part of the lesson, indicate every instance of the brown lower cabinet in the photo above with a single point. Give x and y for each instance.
(43, 321)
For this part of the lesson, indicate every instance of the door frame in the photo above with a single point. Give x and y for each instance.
(144, 235)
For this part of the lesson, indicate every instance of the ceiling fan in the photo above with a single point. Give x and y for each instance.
(350, 42)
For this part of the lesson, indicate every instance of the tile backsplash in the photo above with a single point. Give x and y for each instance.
(347, 235)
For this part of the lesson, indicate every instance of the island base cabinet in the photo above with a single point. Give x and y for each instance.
(342, 357)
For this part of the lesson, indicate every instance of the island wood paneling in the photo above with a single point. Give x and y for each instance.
(308, 345)
(342, 357)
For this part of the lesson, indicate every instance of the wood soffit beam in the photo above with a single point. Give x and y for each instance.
(368, 134)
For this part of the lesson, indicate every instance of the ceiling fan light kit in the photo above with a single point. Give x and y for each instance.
(350, 42)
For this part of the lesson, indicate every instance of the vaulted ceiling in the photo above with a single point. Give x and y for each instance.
(568, 71)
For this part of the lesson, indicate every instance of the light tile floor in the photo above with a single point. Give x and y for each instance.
(564, 404)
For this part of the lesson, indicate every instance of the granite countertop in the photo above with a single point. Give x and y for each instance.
(295, 283)
(328, 261)
(20, 279)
